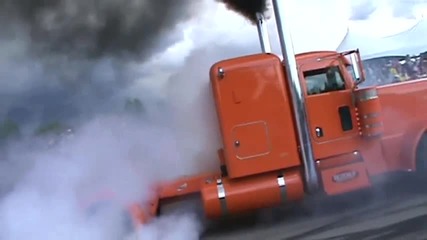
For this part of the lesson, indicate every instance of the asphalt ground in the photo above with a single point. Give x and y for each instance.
(395, 210)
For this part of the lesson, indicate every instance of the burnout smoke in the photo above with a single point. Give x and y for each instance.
(65, 192)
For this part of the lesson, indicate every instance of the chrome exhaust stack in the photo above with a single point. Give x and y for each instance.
(264, 38)
(300, 114)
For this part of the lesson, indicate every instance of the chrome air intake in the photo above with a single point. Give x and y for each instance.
(264, 38)
(310, 174)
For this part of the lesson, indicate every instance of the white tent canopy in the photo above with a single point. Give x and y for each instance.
(411, 42)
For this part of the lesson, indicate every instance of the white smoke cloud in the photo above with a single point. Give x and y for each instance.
(109, 154)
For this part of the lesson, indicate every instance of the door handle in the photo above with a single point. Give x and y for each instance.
(319, 132)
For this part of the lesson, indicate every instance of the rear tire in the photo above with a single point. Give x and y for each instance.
(186, 205)
(421, 156)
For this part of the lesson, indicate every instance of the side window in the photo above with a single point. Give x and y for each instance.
(324, 80)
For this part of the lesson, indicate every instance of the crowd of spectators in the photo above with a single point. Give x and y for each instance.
(394, 69)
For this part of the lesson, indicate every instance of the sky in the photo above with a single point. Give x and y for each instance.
(385, 21)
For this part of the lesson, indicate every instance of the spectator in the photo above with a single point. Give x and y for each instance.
(381, 71)
(409, 68)
(395, 72)
(421, 65)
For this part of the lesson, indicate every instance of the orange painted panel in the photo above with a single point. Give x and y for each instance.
(254, 114)
(402, 111)
(251, 146)
(323, 111)
(339, 160)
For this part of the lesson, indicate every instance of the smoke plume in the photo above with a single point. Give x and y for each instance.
(96, 28)
(79, 53)
(247, 8)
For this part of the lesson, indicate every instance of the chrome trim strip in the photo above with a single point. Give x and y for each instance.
(282, 185)
(221, 196)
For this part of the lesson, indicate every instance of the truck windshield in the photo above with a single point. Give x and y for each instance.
(324, 80)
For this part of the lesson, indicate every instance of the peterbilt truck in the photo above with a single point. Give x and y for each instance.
(294, 126)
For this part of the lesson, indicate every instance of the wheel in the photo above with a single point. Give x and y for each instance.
(181, 212)
(421, 156)
(190, 206)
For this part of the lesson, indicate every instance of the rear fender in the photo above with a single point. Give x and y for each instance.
(186, 185)
(143, 214)
(410, 141)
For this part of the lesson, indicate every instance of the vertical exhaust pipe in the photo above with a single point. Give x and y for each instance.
(300, 114)
(264, 38)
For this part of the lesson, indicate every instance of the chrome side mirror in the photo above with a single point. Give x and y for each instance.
(356, 66)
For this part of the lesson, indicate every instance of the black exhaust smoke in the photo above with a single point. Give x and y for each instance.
(247, 8)
(66, 59)
(95, 28)
(71, 57)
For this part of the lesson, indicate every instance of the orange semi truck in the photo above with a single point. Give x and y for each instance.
(301, 126)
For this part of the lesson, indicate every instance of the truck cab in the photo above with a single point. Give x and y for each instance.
(256, 112)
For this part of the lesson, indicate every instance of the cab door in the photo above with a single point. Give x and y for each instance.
(330, 110)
